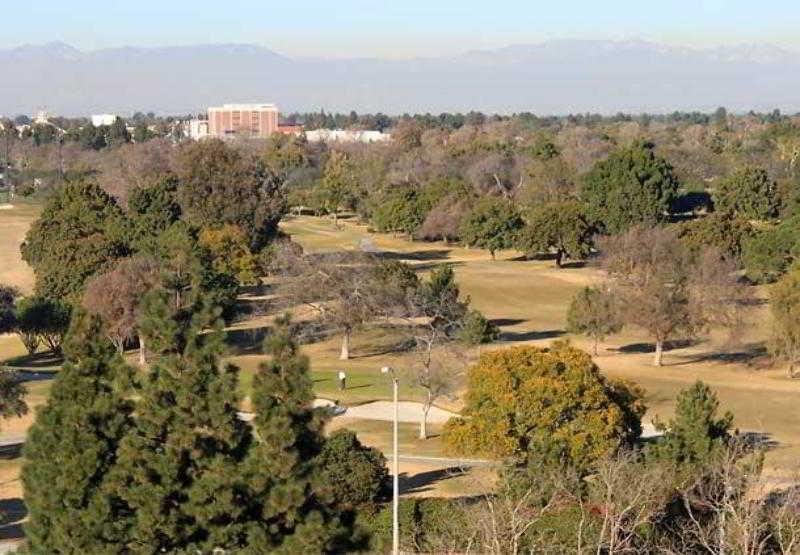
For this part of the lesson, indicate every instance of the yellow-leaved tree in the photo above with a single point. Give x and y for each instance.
(552, 403)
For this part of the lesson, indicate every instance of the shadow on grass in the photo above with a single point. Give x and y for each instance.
(422, 481)
(530, 335)
(500, 322)
(750, 355)
(12, 513)
(246, 341)
(11, 451)
(420, 255)
(48, 359)
(758, 440)
(651, 347)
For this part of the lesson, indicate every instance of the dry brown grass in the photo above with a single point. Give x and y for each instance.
(14, 223)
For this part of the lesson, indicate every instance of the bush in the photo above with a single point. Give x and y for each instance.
(428, 525)
(748, 193)
(41, 320)
(476, 329)
(769, 253)
(350, 475)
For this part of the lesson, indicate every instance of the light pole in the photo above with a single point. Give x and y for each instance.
(396, 464)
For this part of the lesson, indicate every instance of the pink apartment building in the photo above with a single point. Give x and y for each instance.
(256, 121)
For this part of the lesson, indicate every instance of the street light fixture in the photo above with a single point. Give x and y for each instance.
(395, 473)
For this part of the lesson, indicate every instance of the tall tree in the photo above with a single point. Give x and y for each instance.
(784, 343)
(696, 431)
(152, 210)
(80, 231)
(337, 178)
(632, 186)
(493, 225)
(666, 290)
(341, 288)
(749, 193)
(281, 468)
(8, 296)
(116, 296)
(560, 227)
(220, 185)
(179, 468)
(72, 449)
(594, 312)
(549, 405)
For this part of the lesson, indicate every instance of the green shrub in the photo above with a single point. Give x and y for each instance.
(350, 475)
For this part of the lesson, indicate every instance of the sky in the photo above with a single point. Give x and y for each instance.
(394, 28)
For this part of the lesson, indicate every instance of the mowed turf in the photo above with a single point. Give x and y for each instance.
(14, 223)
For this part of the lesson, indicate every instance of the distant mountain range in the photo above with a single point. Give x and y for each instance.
(553, 77)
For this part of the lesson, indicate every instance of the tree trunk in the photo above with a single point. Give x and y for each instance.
(345, 354)
(659, 351)
(423, 423)
(559, 257)
(142, 352)
(491, 252)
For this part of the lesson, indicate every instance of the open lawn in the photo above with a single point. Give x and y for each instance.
(14, 223)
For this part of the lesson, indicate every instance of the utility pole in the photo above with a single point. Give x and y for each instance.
(395, 464)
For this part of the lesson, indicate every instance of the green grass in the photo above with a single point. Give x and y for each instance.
(378, 434)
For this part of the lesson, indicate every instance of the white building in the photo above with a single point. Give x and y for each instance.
(346, 136)
(41, 118)
(103, 119)
(197, 129)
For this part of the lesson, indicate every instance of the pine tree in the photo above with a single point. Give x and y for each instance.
(73, 445)
(696, 433)
(281, 468)
(179, 469)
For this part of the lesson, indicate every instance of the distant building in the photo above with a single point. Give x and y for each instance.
(346, 136)
(197, 129)
(103, 119)
(41, 118)
(289, 129)
(255, 121)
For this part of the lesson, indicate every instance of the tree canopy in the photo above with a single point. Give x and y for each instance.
(560, 227)
(80, 231)
(493, 224)
(546, 404)
(632, 186)
(220, 185)
(749, 193)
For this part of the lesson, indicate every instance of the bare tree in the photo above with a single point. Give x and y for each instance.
(667, 291)
(630, 495)
(339, 287)
(116, 297)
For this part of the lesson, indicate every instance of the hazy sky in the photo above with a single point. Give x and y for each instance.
(396, 28)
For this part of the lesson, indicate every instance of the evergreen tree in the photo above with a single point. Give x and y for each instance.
(281, 468)
(695, 433)
(80, 231)
(632, 186)
(179, 469)
(72, 447)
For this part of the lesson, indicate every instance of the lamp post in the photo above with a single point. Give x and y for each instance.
(396, 465)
